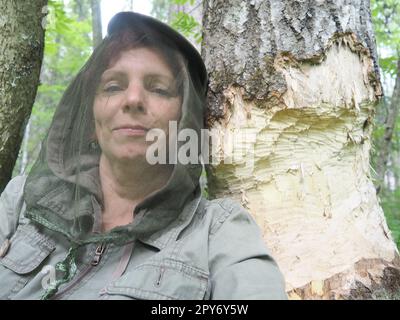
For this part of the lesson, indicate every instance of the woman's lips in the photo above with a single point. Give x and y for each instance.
(131, 130)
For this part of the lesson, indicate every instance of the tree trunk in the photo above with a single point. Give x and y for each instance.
(390, 124)
(21, 47)
(96, 23)
(396, 163)
(293, 86)
(80, 8)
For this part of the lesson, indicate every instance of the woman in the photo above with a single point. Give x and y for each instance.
(95, 220)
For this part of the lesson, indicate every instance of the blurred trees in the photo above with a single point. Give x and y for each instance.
(386, 156)
(96, 22)
(183, 15)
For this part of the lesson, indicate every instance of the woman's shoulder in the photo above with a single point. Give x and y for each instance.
(14, 189)
(11, 205)
(15, 185)
(226, 211)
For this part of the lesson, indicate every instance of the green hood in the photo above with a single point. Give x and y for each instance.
(63, 187)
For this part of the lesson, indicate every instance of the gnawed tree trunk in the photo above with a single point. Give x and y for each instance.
(390, 124)
(292, 92)
(21, 47)
(96, 22)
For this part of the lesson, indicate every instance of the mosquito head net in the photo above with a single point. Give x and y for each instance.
(63, 186)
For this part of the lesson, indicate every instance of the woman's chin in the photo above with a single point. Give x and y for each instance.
(131, 156)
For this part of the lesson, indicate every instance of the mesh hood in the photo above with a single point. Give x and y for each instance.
(64, 183)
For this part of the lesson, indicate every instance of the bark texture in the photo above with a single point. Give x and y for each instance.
(21, 48)
(292, 94)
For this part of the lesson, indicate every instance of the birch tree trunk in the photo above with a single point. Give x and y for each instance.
(292, 94)
(21, 47)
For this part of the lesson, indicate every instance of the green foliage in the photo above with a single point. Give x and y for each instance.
(187, 25)
(67, 40)
(181, 21)
(386, 21)
(390, 202)
(182, 2)
(389, 65)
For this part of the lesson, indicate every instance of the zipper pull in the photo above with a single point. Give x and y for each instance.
(160, 276)
(98, 254)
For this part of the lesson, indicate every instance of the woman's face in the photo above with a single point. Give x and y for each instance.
(136, 94)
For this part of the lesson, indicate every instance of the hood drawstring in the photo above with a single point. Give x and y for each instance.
(68, 267)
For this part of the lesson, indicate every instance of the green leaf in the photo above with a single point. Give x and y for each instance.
(185, 24)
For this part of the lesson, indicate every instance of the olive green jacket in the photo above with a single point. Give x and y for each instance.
(213, 251)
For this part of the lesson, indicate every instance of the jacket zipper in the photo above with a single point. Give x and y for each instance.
(98, 254)
(95, 261)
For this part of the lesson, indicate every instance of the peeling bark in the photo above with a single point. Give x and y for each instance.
(21, 47)
(299, 81)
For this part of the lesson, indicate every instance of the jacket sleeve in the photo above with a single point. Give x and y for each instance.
(241, 266)
(11, 206)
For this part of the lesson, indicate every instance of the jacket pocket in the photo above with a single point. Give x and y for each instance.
(165, 280)
(28, 249)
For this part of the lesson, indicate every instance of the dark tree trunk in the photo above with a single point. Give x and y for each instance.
(21, 47)
(293, 87)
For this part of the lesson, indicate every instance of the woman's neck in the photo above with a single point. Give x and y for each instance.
(124, 185)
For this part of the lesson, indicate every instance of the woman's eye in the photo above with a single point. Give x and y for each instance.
(162, 92)
(112, 88)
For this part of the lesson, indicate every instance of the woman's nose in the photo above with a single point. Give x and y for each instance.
(134, 99)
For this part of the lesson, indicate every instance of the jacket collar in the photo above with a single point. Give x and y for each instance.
(164, 237)
(153, 226)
